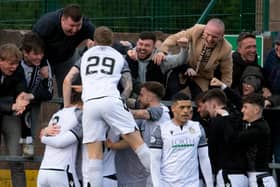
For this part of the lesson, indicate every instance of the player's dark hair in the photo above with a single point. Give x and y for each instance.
(215, 94)
(179, 97)
(146, 35)
(103, 35)
(254, 98)
(32, 41)
(243, 35)
(73, 11)
(154, 87)
(199, 97)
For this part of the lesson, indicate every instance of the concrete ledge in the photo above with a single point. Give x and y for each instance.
(8, 158)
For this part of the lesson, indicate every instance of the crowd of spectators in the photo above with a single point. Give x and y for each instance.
(227, 132)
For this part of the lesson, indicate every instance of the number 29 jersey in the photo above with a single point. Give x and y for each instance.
(101, 69)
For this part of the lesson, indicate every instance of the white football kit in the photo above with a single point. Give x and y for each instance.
(180, 150)
(130, 171)
(101, 69)
(58, 167)
(109, 171)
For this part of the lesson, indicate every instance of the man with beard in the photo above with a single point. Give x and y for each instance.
(62, 31)
(150, 114)
(142, 66)
(227, 158)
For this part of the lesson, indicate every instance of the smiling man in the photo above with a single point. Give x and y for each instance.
(142, 66)
(140, 63)
(245, 55)
(38, 78)
(62, 31)
(207, 51)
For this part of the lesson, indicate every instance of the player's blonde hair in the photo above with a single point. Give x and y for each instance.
(103, 36)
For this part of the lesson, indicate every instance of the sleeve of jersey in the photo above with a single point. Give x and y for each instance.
(156, 151)
(78, 63)
(155, 113)
(125, 67)
(172, 61)
(205, 166)
(203, 139)
(59, 141)
(78, 132)
(156, 139)
(78, 113)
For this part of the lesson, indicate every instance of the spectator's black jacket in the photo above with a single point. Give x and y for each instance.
(10, 88)
(60, 47)
(153, 72)
(41, 88)
(256, 140)
(223, 151)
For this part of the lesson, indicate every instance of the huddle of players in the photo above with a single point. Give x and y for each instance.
(172, 150)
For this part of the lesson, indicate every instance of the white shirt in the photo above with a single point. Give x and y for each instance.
(179, 160)
(101, 69)
(61, 156)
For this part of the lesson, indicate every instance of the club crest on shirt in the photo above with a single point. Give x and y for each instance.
(191, 130)
(171, 132)
(153, 139)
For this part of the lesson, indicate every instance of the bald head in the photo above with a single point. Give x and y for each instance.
(217, 23)
(213, 32)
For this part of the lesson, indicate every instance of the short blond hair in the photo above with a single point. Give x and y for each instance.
(10, 51)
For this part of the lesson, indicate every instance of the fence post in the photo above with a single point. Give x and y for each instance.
(206, 11)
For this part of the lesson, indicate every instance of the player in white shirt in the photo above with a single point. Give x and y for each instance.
(101, 70)
(74, 134)
(182, 146)
(109, 171)
(58, 167)
(150, 114)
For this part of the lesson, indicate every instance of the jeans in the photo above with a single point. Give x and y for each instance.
(11, 131)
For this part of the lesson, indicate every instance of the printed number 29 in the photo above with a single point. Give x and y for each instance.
(107, 63)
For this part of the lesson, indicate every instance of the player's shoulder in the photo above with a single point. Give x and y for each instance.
(194, 123)
(166, 125)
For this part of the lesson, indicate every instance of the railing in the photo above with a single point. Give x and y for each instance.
(138, 15)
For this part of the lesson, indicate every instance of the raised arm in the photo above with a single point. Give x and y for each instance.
(172, 61)
(151, 113)
(67, 83)
(126, 82)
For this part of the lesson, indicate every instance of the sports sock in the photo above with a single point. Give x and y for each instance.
(143, 154)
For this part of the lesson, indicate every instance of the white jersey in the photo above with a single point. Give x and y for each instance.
(62, 157)
(101, 69)
(179, 164)
(130, 171)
